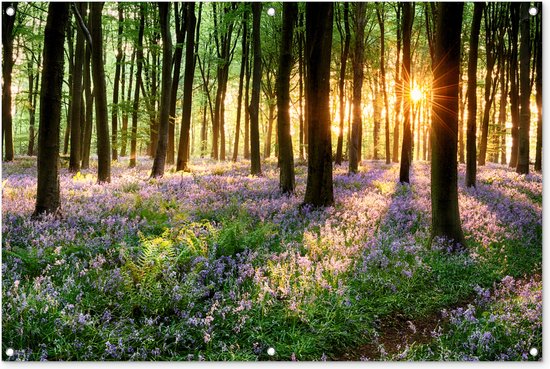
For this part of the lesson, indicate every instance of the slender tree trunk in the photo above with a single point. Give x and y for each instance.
(98, 75)
(538, 85)
(341, 83)
(115, 108)
(525, 90)
(270, 119)
(286, 156)
(7, 67)
(244, 62)
(500, 137)
(444, 173)
(124, 135)
(380, 16)
(74, 160)
(398, 89)
(355, 147)
(47, 194)
(162, 145)
(183, 147)
(139, 57)
(471, 164)
(319, 187)
(70, 54)
(89, 94)
(514, 89)
(301, 73)
(256, 168)
(33, 87)
(178, 55)
(376, 116)
(246, 153)
(406, 90)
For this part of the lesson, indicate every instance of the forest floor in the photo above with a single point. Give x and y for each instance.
(218, 265)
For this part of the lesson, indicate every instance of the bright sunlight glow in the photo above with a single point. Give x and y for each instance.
(416, 94)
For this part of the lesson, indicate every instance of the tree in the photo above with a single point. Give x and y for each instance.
(115, 108)
(358, 52)
(47, 194)
(538, 83)
(380, 15)
(98, 75)
(341, 82)
(525, 90)
(183, 147)
(406, 90)
(514, 82)
(162, 145)
(286, 156)
(255, 164)
(444, 173)
(319, 188)
(177, 57)
(80, 53)
(244, 63)
(7, 67)
(139, 67)
(472, 96)
(398, 88)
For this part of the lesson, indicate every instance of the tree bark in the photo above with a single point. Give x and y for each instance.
(115, 108)
(355, 150)
(178, 55)
(47, 195)
(380, 15)
(183, 147)
(471, 164)
(160, 156)
(255, 164)
(341, 85)
(89, 95)
(444, 173)
(514, 89)
(286, 156)
(319, 187)
(98, 75)
(244, 62)
(76, 97)
(406, 90)
(538, 85)
(139, 57)
(398, 89)
(525, 90)
(7, 67)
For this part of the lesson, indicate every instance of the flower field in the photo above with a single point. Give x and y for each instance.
(218, 265)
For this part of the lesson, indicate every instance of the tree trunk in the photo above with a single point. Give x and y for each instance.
(525, 90)
(286, 156)
(98, 75)
(70, 56)
(471, 164)
(380, 16)
(89, 94)
(444, 173)
(7, 67)
(355, 149)
(398, 89)
(538, 85)
(319, 188)
(74, 160)
(33, 93)
(341, 83)
(124, 135)
(406, 90)
(244, 62)
(47, 195)
(178, 55)
(255, 165)
(514, 89)
(183, 147)
(115, 108)
(139, 57)
(246, 153)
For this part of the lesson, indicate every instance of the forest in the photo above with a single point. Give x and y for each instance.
(254, 181)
